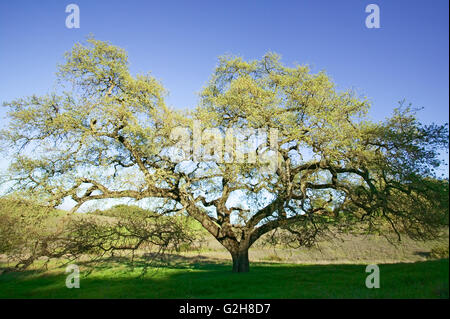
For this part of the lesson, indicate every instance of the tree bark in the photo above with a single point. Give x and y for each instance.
(240, 260)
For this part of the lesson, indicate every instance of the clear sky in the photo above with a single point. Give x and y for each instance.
(179, 42)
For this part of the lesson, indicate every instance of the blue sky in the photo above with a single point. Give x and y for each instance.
(179, 42)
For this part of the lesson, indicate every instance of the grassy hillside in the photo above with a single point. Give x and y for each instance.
(331, 269)
(343, 249)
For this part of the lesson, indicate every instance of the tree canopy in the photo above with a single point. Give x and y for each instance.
(267, 147)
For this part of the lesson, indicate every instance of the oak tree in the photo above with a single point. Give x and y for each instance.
(268, 147)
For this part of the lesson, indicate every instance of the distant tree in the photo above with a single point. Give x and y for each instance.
(280, 147)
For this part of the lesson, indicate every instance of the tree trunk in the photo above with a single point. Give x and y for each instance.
(240, 260)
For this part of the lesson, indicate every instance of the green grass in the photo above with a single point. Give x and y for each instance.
(428, 279)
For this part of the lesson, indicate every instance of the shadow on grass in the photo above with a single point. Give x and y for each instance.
(196, 277)
(149, 263)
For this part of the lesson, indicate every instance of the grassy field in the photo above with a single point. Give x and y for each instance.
(188, 279)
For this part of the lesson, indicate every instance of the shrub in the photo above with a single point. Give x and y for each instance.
(439, 251)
